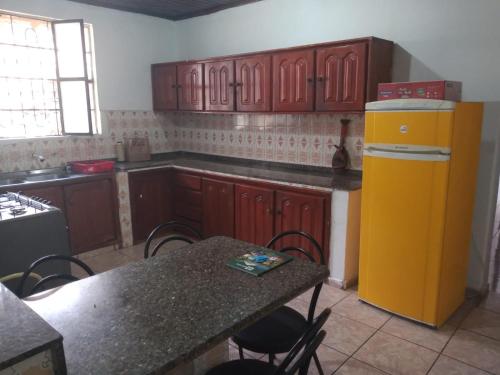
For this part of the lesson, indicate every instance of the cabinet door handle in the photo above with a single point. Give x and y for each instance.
(278, 211)
(231, 84)
(310, 80)
(174, 86)
(140, 196)
(269, 211)
(320, 79)
(239, 84)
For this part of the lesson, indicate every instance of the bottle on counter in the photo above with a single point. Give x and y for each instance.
(120, 151)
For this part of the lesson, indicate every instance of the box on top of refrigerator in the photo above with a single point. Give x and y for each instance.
(441, 90)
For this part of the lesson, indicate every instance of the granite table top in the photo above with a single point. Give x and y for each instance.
(320, 178)
(22, 332)
(149, 316)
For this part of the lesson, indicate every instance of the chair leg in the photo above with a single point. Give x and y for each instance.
(271, 358)
(318, 364)
(304, 370)
(240, 350)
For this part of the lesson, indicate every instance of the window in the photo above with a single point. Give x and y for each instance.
(47, 84)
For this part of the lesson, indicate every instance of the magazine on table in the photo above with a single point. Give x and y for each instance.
(258, 262)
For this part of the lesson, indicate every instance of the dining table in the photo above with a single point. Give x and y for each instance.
(156, 315)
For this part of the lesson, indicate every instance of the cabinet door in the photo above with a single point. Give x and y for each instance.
(188, 200)
(219, 86)
(303, 212)
(92, 214)
(54, 194)
(293, 81)
(164, 82)
(254, 214)
(253, 83)
(150, 197)
(190, 86)
(341, 78)
(218, 208)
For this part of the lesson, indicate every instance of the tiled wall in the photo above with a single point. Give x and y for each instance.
(303, 139)
(16, 155)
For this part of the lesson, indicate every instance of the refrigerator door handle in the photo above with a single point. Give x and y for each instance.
(406, 155)
(417, 149)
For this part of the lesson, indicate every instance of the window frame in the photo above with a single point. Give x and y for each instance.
(93, 107)
(84, 78)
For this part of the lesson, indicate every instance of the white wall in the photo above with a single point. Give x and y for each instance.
(125, 46)
(444, 39)
(486, 198)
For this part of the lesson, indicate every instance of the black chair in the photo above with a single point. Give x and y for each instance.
(46, 279)
(309, 342)
(279, 331)
(174, 237)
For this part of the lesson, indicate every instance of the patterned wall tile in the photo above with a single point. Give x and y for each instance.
(305, 139)
(17, 154)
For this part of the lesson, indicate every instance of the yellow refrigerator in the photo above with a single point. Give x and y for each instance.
(419, 175)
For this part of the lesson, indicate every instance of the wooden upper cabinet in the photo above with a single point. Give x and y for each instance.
(341, 78)
(293, 81)
(190, 86)
(253, 83)
(337, 76)
(164, 81)
(219, 85)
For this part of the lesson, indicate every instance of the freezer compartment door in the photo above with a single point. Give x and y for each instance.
(402, 226)
(420, 128)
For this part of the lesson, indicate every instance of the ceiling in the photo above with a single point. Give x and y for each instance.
(169, 9)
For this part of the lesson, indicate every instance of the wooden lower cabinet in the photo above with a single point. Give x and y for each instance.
(91, 212)
(150, 201)
(188, 200)
(254, 219)
(218, 208)
(225, 206)
(90, 208)
(303, 212)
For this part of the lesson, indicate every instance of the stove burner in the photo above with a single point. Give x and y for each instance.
(16, 205)
(17, 210)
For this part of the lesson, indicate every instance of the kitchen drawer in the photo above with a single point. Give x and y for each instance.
(188, 181)
(189, 212)
(187, 197)
(188, 203)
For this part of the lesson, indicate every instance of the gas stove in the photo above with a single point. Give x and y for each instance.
(30, 228)
(14, 206)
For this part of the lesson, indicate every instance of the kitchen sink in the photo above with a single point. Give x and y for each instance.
(41, 175)
(46, 177)
(11, 181)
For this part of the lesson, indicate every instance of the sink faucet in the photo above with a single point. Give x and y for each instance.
(39, 157)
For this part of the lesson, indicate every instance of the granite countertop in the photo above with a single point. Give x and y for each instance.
(320, 178)
(23, 333)
(149, 316)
